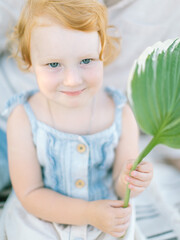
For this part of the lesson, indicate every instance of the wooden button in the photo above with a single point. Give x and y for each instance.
(81, 148)
(80, 183)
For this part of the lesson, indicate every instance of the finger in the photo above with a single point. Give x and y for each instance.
(121, 228)
(128, 169)
(118, 235)
(140, 176)
(116, 203)
(136, 188)
(122, 212)
(129, 164)
(120, 221)
(145, 167)
(137, 182)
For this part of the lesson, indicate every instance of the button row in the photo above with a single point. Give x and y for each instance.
(81, 148)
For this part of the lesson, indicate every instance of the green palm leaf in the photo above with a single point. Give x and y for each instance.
(154, 95)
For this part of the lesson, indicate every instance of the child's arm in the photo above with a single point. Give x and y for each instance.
(107, 215)
(126, 154)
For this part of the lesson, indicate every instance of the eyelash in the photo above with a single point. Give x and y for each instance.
(90, 60)
(50, 64)
(56, 64)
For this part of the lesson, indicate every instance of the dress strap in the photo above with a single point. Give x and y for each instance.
(119, 100)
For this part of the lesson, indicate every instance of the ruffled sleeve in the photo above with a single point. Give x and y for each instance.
(15, 100)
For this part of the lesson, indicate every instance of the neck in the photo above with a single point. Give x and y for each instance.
(77, 120)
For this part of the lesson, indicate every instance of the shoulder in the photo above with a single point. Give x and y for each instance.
(18, 121)
(127, 112)
(17, 115)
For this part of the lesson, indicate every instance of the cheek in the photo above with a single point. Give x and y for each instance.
(46, 80)
(95, 75)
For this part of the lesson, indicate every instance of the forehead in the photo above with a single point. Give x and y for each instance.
(51, 38)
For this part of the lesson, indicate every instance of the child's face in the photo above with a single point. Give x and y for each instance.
(66, 63)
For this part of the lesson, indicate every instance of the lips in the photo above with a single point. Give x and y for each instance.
(73, 93)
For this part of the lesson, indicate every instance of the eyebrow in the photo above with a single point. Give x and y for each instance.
(50, 59)
(90, 55)
(57, 59)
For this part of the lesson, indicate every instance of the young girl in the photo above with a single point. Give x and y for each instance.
(71, 143)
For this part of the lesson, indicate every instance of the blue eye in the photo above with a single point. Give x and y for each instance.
(54, 65)
(86, 61)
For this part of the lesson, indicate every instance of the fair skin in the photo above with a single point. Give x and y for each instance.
(69, 74)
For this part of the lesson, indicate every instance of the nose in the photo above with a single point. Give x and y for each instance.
(72, 77)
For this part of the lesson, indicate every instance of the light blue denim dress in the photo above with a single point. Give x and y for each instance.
(78, 166)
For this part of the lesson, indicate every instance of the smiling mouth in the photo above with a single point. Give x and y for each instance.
(73, 93)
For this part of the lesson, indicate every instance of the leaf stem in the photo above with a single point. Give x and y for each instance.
(141, 156)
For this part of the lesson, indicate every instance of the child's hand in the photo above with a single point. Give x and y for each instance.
(140, 178)
(109, 216)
